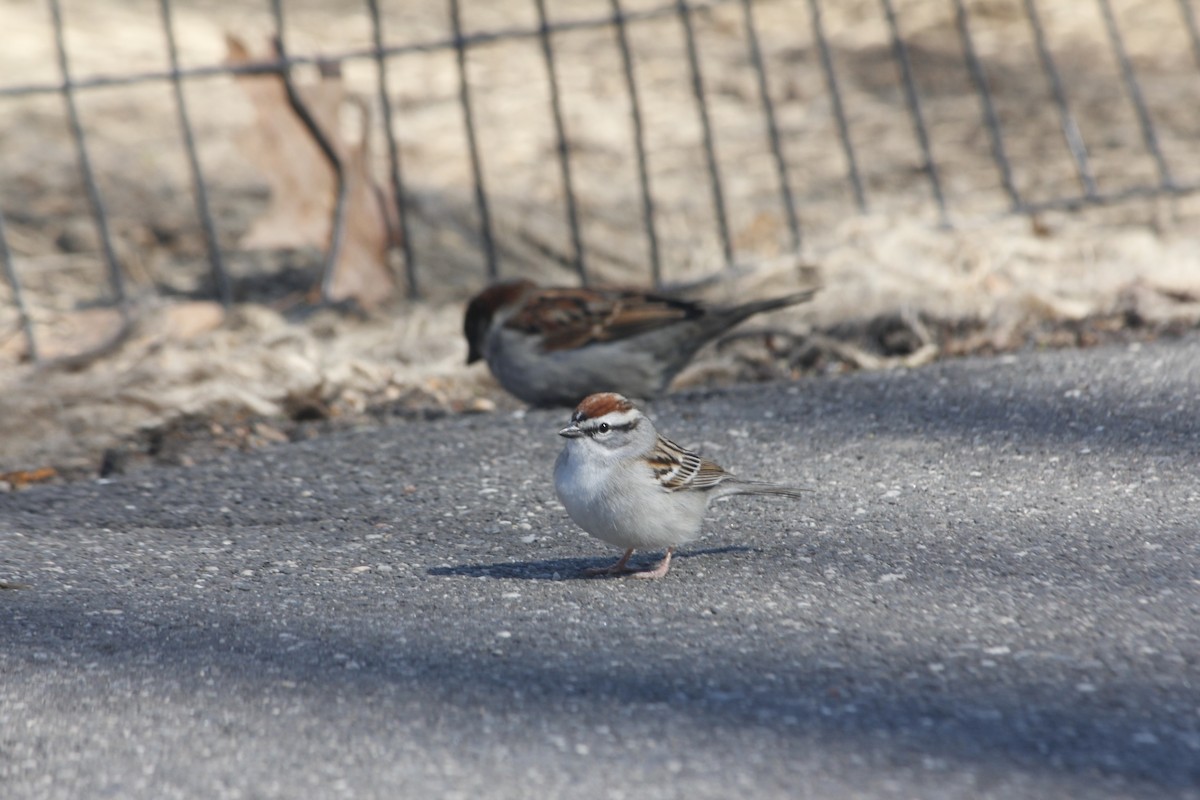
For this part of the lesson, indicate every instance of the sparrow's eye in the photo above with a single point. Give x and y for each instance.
(604, 427)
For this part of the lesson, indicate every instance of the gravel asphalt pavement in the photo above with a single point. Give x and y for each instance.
(993, 591)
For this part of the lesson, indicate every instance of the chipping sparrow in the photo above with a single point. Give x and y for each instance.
(624, 483)
(556, 346)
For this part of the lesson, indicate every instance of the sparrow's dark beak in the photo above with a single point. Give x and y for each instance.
(475, 327)
(572, 431)
(475, 331)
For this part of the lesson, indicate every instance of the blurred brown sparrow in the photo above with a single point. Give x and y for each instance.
(556, 346)
(624, 483)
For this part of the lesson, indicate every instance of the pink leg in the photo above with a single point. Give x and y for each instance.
(612, 569)
(660, 570)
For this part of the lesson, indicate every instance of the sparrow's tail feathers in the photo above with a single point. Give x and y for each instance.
(759, 306)
(739, 486)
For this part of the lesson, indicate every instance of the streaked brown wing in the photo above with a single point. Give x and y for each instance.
(709, 475)
(678, 468)
(571, 318)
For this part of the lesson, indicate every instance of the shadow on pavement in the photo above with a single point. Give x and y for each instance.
(559, 569)
(1143, 735)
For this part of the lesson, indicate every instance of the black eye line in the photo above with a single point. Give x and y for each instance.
(606, 427)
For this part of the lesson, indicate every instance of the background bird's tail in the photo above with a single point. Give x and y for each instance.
(758, 306)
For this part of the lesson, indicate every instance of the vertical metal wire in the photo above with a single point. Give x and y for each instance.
(1070, 127)
(1189, 21)
(327, 149)
(564, 150)
(397, 175)
(990, 118)
(99, 213)
(1149, 135)
(464, 95)
(639, 141)
(686, 11)
(900, 51)
(710, 149)
(10, 273)
(764, 92)
(839, 110)
(199, 188)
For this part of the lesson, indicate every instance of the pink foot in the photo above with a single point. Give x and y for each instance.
(617, 568)
(660, 570)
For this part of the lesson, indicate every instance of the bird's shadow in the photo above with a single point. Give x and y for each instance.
(561, 569)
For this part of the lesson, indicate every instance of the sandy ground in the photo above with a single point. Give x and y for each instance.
(899, 287)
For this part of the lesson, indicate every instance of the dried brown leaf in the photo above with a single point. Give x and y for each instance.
(303, 184)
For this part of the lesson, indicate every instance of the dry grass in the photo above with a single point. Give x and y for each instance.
(993, 274)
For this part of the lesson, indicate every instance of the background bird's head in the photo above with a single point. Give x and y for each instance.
(484, 307)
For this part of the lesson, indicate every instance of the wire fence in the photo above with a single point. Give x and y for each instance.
(549, 34)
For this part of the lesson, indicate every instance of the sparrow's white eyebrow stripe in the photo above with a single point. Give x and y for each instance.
(621, 420)
(593, 428)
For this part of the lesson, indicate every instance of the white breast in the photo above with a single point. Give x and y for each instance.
(623, 504)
